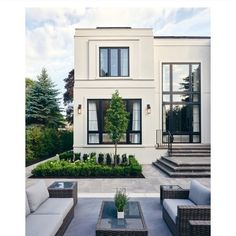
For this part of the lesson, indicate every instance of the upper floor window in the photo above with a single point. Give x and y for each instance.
(113, 61)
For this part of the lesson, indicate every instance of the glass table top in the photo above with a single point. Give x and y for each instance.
(169, 187)
(133, 217)
(61, 185)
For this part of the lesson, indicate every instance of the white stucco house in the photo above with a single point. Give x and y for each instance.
(164, 81)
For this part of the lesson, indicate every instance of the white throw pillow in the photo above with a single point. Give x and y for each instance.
(27, 208)
(37, 194)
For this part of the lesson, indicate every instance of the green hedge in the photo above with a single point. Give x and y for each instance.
(87, 168)
(42, 142)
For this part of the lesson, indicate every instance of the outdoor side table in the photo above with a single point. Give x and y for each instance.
(63, 189)
(133, 223)
(165, 191)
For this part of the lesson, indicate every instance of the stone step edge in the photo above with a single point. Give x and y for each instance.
(183, 175)
(184, 168)
(185, 164)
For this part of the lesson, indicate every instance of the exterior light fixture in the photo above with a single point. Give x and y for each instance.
(148, 109)
(79, 109)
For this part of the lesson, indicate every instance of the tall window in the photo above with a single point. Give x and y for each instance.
(96, 122)
(114, 62)
(181, 102)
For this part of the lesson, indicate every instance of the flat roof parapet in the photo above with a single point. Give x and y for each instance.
(182, 37)
(113, 27)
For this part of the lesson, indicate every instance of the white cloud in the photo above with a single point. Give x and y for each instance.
(196, 25)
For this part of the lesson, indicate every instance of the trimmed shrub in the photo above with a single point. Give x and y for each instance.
(108, 159)
(92, 154)
(85, 157)
(117, 159)
(77, 156)
(100, 158)
(89, 168)
(124, 159)
(67, 156)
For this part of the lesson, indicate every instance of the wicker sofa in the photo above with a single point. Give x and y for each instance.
(187, 212)
(46, 216)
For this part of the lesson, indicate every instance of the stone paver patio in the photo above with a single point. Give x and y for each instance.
(136, 187)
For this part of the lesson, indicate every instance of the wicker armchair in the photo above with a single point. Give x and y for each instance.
(190, 220)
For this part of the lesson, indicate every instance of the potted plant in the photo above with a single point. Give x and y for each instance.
(121, 200)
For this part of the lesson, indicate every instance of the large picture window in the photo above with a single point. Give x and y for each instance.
(113, 62)
(181, 102)
(96, 122)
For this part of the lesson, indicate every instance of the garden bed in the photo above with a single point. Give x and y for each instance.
(89, 166)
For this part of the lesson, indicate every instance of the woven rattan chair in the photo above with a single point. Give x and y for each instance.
(190, 220)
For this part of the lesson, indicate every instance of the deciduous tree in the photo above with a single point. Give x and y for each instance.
(116, 120)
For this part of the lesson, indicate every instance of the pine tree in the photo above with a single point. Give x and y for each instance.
(116, 120)
(68, 96)
(42, 104)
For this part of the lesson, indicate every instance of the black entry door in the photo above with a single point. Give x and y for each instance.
(181, 102)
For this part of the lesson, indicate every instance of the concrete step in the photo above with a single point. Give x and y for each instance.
(188, 161)
(190, 154)
(186, 174)
(190, 148)
(191, 151)
(175, 168)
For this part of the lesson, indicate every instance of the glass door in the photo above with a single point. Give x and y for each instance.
(181, 102)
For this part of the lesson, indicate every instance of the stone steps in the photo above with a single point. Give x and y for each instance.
(183, 168)
(186, 174)
(186, 161)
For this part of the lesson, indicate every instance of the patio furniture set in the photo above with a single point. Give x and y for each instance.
(49, 211)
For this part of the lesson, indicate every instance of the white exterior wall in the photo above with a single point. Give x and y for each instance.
(189, 51)
(144, 82)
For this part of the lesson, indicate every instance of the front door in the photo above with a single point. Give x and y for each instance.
(181, 102)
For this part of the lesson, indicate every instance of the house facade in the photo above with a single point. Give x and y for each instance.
(164, 81)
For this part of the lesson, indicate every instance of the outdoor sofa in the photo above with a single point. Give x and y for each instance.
(46, 216)
(187, 212)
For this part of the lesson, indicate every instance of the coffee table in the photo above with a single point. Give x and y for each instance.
(63, 189)
(132, 225)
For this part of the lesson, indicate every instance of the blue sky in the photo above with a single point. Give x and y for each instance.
(49, 31)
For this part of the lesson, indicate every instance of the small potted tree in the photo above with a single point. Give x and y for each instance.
(121, 200)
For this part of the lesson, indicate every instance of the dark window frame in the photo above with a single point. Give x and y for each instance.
(190, 92)
(101, 125)
(109, 62)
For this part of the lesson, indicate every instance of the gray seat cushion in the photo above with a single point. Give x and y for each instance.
(55, 206)
(43, 225)
(171, 206)
(27, 208)
(37, 194)
(199, 194)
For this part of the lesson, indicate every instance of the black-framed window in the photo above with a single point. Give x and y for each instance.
(96, 133)
(181, 102)
(113, 61)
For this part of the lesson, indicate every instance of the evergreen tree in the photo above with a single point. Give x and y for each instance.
(116, 120)
(42, 104)
(68, 96)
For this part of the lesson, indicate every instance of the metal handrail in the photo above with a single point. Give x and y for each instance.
(170, 141)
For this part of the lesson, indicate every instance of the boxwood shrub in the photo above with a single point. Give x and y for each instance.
(88, 168)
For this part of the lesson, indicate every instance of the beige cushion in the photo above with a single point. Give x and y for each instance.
(55, 206)
(37, 194)
(27, 208)
(43, 225)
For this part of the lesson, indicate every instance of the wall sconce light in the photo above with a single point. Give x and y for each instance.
(148, 109)
(79, 109)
